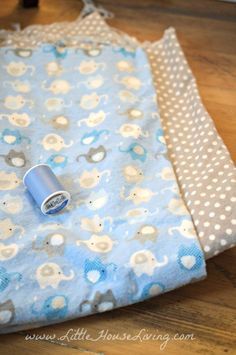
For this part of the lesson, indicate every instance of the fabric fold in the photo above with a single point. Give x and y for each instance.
(99, 107)
(203, 166)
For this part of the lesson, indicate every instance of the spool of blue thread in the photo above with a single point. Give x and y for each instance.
(45, 189)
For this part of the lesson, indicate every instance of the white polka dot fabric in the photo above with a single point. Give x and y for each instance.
(203, 166)
(91, 28)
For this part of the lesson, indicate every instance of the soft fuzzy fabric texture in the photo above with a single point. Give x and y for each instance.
(92, 115)
(127, 234)
(205, 172)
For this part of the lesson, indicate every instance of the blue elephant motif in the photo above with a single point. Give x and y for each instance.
(58, 49)
(7, 277)
(57, 161)
(136, 151)
(161, 140)
(125, 52)
(95, 271)
(152, 289)
(13, 137)
(160, 136)
(190, 258)
(54, 307)
(93, 137)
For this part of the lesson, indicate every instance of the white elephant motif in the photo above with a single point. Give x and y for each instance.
(127, 96)
(98, 243)
(90, 179)
(17, 119)
(54, 69)
(133, 174)
(88, 67)
(8, 228)
(130, 82)
(91, 101)
(55, 142)
(177, 207)
(167, 174)
(58, 87)
(94, 119)
(56, 104)
(125, 66)
(8, 181)
(11, 204)
(94, 224)
(138, 195)
(8, 252)
(139, 214)
(19, 86)
(186, 228)
(17, 102)
(51, 274)
(95, 200)
(18, 68)
(174, 188)
(93, 83)
(128, 130)
(145, 262)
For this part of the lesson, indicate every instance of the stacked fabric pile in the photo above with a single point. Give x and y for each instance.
(122, 126)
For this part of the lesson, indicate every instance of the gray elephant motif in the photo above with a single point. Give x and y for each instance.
(94, 155)
(53, 244)
(15, 159)
(21, 52)
(91, 50)
(102, 302)
(58, 122)
(7, 312)
(146, 232)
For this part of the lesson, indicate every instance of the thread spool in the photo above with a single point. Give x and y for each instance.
(46, 190)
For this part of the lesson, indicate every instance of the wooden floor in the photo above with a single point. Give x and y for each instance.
(207, 32)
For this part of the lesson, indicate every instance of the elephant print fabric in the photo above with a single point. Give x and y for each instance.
(127, 234)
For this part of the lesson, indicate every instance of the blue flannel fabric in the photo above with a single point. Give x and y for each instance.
(92, 117)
